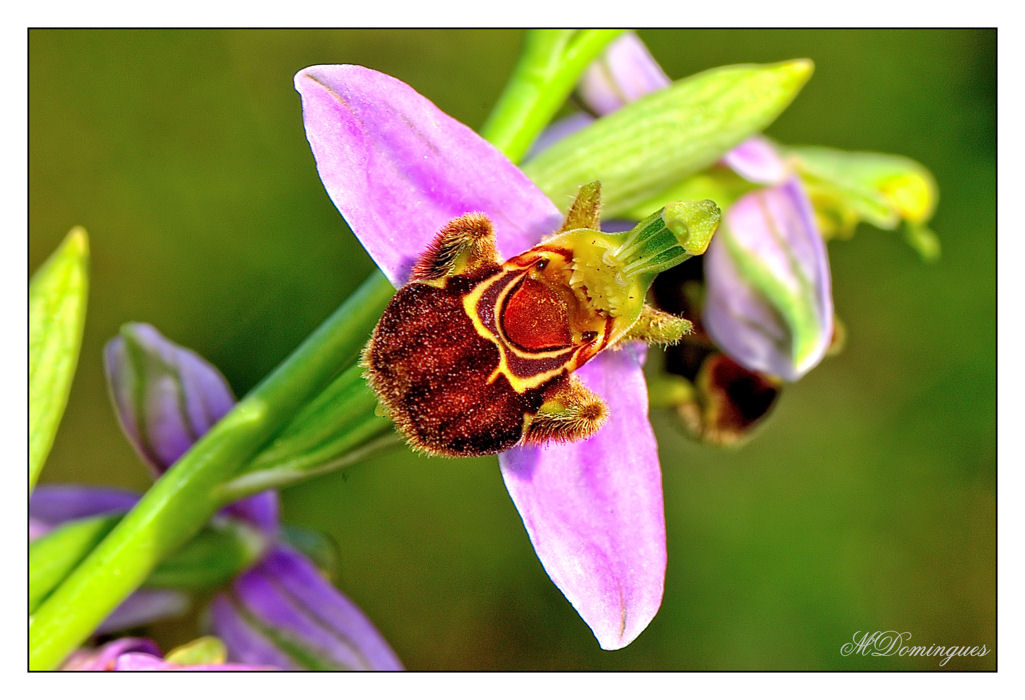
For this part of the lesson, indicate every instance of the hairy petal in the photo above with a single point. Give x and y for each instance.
(593, 509)
(398, 168)
(54, 505)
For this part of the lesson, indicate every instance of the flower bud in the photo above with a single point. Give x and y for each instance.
(768, 303)
(166, 396)
(625, 72)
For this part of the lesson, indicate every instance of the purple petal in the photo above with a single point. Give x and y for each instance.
(286, 598)
(243, 639)
(144, 606)
(780, 319)
(37, 528)
(625, 73)
(103, 658)
(136, 661)
(399, 169)
(54, 505)
(166, 396)
(756, 160)
(593, 509)
(262, 510)
(617, 225)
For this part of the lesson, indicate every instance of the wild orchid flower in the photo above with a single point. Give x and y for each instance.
(281, 612)
(399, 170)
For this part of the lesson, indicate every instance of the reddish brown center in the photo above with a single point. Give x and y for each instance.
(535, 319)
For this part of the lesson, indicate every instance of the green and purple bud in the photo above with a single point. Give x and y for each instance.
(166, 396)
(624, 73)
(768, 303)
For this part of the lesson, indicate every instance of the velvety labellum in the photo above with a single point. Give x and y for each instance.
(464, 363)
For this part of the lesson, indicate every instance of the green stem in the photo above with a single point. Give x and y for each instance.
(186, 496)
(548, 70)
(332, 431)
(52, 557)
(365, 440)
(321, 422)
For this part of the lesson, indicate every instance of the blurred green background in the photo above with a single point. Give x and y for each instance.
(866, 503)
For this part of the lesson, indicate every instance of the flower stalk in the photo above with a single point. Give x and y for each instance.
(548, 70)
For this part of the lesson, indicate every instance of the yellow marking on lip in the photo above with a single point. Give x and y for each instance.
(519, 384)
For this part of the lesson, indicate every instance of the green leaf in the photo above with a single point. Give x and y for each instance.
(56, 318)
(552, 62)
(657, 141)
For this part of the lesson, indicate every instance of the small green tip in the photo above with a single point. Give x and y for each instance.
(800, 68)
(77, 240)
(693, 223)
